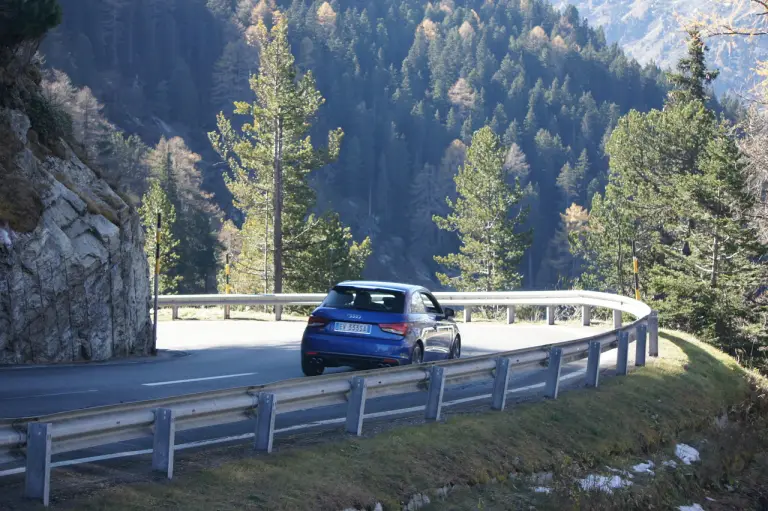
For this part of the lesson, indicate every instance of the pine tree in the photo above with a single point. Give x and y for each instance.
(692, 77)
(156, 201)
(678, 187)
(491, 248)
(271, 158)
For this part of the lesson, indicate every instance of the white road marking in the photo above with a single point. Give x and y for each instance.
(174, 382)
(49, 395)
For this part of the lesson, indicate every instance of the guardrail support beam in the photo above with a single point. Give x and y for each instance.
(37, 478)
(278, 312)
(550, 314)
(226, 312)
(356, 406)
(265, 422)
(467, 314)
(174, 312)
(653, 334)
(586, 315)
(593, 364)
(510, 314)
(616, 319)
(642, 330)
(435, 394)
(553, 373)
(500, 384)
(164, 441)
(622, 357)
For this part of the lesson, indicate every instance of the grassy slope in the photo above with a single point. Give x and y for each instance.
(681, 392)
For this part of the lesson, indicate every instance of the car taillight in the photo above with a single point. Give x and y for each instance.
(395, 328)
(317, 321)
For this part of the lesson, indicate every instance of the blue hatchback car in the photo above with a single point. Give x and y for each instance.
(378, 324)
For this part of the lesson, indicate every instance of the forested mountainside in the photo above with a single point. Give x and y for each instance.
(654, 31)
(408, 81)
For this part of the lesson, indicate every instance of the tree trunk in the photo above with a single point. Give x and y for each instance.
(715, 257)
(266, 251)
(278, 206)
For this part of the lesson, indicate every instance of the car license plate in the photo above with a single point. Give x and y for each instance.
(352, 328)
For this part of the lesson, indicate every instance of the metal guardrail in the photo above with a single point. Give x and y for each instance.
(36, 439)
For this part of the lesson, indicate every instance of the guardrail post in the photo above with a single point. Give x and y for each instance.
(553, 373)
(265, 422)
(616, 319)
(642, 330)
(510, 314)
(37, 479)
(500, 384)
(278, 312)
(175, 312)
(226, 312)
(622, 357)
(593, 364)
(550, 314)
(653, 334)
(356, 406)
(435, 394)
(467, 314)
(164, 441)
(586, 315)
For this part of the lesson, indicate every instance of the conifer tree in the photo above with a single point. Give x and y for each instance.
(491, 247)
(156, 201)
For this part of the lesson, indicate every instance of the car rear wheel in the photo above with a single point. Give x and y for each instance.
(311, 367)
(417, 357)
(456, 348)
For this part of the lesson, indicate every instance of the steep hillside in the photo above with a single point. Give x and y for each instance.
(651, 31)
(408, 82)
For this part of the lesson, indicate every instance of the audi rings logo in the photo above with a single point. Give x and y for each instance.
(354, 316)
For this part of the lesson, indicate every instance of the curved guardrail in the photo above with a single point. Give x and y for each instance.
(35, 439)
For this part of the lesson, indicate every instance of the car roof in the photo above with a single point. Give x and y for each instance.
(372, 284)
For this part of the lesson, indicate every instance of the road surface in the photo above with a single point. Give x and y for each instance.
(198, 356)
(210, 355)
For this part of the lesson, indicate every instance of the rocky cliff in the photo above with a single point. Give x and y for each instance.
(73, 276)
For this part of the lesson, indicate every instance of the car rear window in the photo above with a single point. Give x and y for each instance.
(379, 300)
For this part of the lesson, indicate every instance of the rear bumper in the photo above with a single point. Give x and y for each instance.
(348, 350)
(344, 359)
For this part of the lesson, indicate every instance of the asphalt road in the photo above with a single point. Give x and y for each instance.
(199, 356)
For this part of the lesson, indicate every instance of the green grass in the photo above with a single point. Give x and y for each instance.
(679, 393)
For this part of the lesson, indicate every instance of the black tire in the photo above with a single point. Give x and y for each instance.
(417, 357)
(455, 349)
(311, 368)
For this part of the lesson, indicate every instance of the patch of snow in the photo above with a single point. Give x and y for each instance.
(417, 502)
(694, 507)
(378, 507)
(542, 489)
(644, 468)
(603, 483)
(670, 464)
(686, 453)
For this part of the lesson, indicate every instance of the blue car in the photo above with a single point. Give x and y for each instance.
(378, 324)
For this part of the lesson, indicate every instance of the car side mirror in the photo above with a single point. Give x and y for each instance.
(449, 313)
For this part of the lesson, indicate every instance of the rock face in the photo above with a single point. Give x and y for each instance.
(652, 31)
(73, 275)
